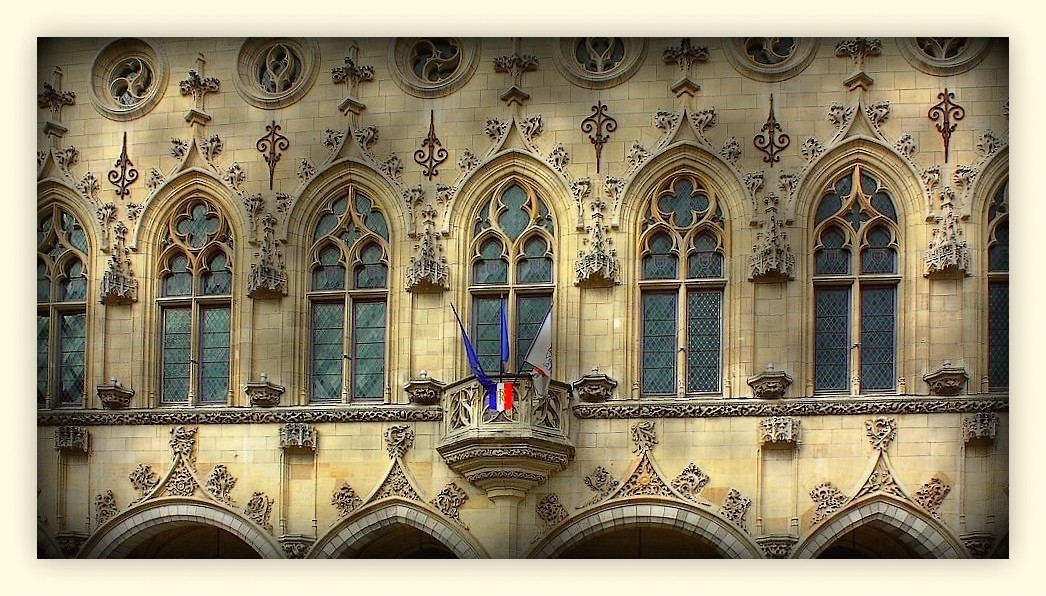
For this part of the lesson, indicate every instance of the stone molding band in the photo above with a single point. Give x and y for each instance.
(797, 407)
(241, 416)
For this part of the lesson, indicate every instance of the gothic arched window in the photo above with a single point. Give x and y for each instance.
(61, 309)
(195, 305)
(348, 300)
(999, 290)
(682, 279)
(856, 240)
(512, 259)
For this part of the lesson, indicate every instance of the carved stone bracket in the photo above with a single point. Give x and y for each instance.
(263, 393)
(298, 435)
(72, 438)
(980, 427)
(296, 545)
(770, 384)
(595, 387)
(424, 391)
(428, 270)
(70, 542)
(881, 431)
(113, 396)
(777, 546)
(979, 544)
(947, 380)
(779, 430)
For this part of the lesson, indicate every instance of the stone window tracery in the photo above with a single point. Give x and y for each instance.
(599, 62)
(998, 254)
(61, 309)
(770, 59)
(275, 73)
(195, 305)
(856, 274)
(128, 79)
(944, 56)
(348, 300)
(433, 66)
(512, 258)
(682, 284)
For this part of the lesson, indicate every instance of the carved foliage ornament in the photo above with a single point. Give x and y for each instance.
(643, 436)
(980, 426)
(550, 511)
(345, 500)
(690, 482)
(602, 483)
(881, 431)
(258, 509)
(220, 483)
(144, 480)
(735, 507)
(932, 494)
(449, 501)
(398, 439)
(104, 507)
(645, 481)
(74, 438)
(779, 429)
(828, 499)
(396, 485)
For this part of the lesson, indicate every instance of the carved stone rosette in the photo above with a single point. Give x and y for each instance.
(263, 393)
(770, 384)
(595, 387)
(113, 396)
(424, 391)
(777, 546)
(298, 435)
(947, 380)
(72, 438)
(979, 427)
(779, 430)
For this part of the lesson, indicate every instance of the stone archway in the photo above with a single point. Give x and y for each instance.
(145, 531)
(699, 533)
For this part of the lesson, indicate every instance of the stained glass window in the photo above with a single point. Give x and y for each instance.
(659, 343)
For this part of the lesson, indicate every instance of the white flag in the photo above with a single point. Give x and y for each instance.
(540, 355)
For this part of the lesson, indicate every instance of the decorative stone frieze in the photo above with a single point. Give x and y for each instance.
(980, 427)
(772, 258)
(602, 483)
(220, 483)
(449, 502)
(979, 544)
(770, 384)
(644, 436)
(779, 430)
(595, 387)
(313, 414)
(268, 276)
(777, 546)
(104, 507)
(424, 391)
(345, 500)
(948, 252)
(258, 509)
(690, 482)
(263, 393)
(114, 396)
(881, 431)
(947, 380)
(735, 507)
(932, 494)
(828, 498)
(298, 435)
(295, 546)
(72, 438)
(119, 285)
(398, 439)
(550, 511)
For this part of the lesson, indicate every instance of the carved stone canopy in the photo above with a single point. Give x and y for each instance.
(595, 387)
(779, 431)
(770, 383)
(114, 396)
(424, 391)
(263, 393)
(74, 438)
(980, 427)
(947, 380)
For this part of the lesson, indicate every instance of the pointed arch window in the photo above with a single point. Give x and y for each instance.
(856, 276)
(999, 290)
(195, 305)
(348, 300)
(61, 309)
(512, 257)
(682, 281)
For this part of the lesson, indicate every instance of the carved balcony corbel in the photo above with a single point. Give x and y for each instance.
(947, 380)
(424, 391)
(595, 386)
(263, 393)
(770, 384)
(777, 546)
(114, 396)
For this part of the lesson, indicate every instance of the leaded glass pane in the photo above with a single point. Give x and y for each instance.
(376, 222)
(45, 228)
(530, 314)
(660, 263)
(491, 268)
(830, 204)
(514, 219)
(175, 355)
(43, 335)
(72, 345)
(682, 207)
(178, 282)
(200, 224)
(486, 335)
(43, 283)
(535, 267)
(878, 256)
(325, 226)
(703, 340)
(218, 278)
(832, 258)
(878, 319)
(368, 350)
(883, 204)
(831, 339)
(371, 272)
(998, 335)
(329, 274)
(999, 252)
(599, 54)
(328, 324)
(214, 355)
(704, 261)
(77, 237)
(659, 343)
(74, 286)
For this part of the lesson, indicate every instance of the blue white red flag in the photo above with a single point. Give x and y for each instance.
(502, 396)
(477, 369)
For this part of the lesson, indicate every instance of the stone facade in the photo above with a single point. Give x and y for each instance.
(234, 180)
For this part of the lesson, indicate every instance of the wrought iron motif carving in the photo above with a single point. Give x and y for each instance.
(220, 483)
(779, 430)
(881, 431)
(550, 511)
(258, 509)
(449, 502)
(600, 124)
(595, 387)
(345, 500)
(643, 436)
(123, 173)
(104, 507)
(735, 507)
(771, 260)
(946, 114)
(268, 277)
(119, 286)
(144, 480)
(932, 494)
(298, 435)
(72, 438)
(690, 482)
(981, 426)
(602, 483)
(946, 380)
(271, 145)
(431, 154)
(828, 498)
(771, 139)
(398, 439)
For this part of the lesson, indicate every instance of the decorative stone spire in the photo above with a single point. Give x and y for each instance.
(118, 283)
(772, 258)
(268, 277)
(428, 269)
(598, 265)
(948, 251)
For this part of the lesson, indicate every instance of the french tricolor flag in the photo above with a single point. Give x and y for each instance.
(501, 396)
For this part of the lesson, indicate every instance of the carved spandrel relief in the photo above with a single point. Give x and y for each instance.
(345, 500)
(550, 511)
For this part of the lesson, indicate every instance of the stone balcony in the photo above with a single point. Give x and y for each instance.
(506, 453)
